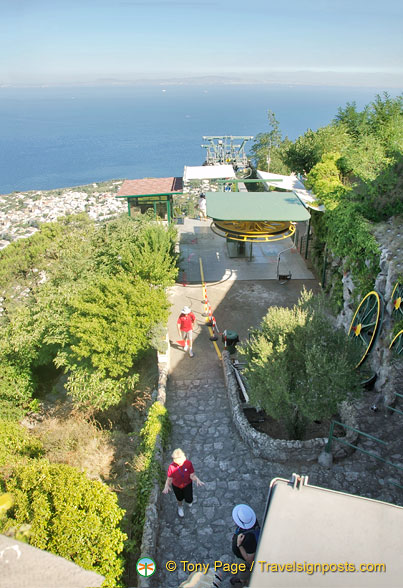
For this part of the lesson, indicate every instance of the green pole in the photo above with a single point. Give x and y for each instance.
(243, 181)
(169, 211)
(307, 238)
(128, 206)
(324, 267)
(329, 443)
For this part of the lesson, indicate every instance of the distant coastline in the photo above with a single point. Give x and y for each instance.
(387, 80)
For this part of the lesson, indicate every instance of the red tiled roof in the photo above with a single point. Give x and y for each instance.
(150, 186)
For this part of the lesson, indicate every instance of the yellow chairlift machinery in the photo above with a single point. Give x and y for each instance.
(255, 217)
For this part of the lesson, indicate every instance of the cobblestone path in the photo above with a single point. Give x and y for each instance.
(202, 427)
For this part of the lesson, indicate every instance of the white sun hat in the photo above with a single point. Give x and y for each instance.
(244, 516)
(186, 310)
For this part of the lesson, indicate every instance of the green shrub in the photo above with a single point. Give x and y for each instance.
(300, 367)
(350, 237)
(325, 180)
(87, 298)
(90, 389)
(137, 246)
(16, 444)
(16, 386)
(69, 515)
(157, 423)
(110, 324)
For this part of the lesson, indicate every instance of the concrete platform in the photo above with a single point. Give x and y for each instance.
(240, 293)
(197, 240)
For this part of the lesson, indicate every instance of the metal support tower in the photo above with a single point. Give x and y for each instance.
(222, 150)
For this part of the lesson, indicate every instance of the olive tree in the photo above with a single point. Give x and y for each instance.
(300, 367)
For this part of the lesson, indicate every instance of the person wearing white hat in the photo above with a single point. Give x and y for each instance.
(245, 538)
(185, 324)
(202, 206)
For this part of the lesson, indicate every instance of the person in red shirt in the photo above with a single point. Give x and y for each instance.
(180, 478)
(185, 324)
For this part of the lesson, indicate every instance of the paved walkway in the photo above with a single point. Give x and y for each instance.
(197, 399)
(201, 422)
(202, 426)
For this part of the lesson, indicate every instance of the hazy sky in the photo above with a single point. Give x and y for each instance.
(60, 41)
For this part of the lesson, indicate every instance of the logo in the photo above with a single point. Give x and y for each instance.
(145, 567)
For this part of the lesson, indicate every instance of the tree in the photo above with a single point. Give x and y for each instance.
(110, 324)
(365, 159)
(308, 149)
(355, 123)
(268, 148)
(383, 197)
(386, 117)
(299, 366)
(139, 246)
(91, 299)
(69, 515)
(325, 180)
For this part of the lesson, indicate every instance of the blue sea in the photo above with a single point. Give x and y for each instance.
(59, 137)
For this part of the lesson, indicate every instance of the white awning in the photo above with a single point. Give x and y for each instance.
(208, 172)
(306, 528)
(293, 184)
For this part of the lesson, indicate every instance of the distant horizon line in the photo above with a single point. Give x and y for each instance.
(347, 79)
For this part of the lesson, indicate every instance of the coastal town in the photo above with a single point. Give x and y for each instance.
(21, 213)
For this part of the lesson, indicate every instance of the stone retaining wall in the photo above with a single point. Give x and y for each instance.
(150, 530)
(381, 360)
(278, 450)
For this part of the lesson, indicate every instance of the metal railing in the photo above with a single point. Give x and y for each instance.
(396, 409)
(374, 455)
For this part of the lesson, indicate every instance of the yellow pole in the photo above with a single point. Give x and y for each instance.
(209, 328)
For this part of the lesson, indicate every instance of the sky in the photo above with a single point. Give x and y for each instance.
(122, 41)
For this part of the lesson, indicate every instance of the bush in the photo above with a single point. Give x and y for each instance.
(16, 386)
(325, 180)
(16, 445)
(157, 423)
(90, 389)
(87, 298)
(110, 328)
(299, 366)
(138, 246)
(69, 515)
(350, 237)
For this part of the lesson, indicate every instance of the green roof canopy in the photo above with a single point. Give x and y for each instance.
(255, 206)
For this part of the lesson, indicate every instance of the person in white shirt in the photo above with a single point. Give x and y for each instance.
(202, 206)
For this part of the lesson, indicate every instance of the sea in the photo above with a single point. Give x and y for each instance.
(55, 137)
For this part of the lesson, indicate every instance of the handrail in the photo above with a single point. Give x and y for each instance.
(331, 438)
(396, 409)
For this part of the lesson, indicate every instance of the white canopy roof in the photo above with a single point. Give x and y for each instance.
(311, 525)
(293, 184)
(25, 566)
(208, 172)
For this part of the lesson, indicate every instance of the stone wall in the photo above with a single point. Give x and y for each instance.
(380, 359)
(282, 450)
(278, 450)
(151, 527)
